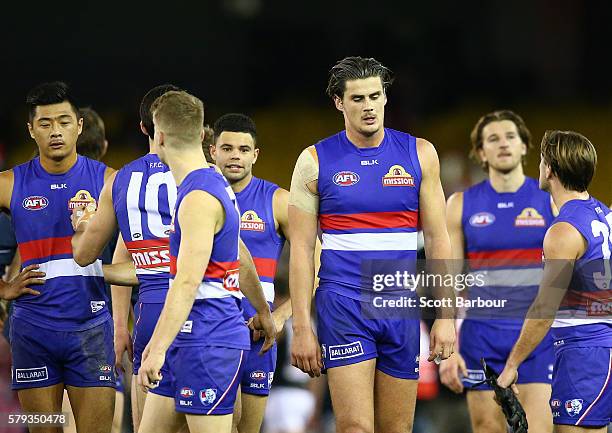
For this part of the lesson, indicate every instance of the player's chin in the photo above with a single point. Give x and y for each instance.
(369, 130)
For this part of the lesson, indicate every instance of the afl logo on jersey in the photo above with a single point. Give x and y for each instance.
(82, 199)
(35, 202)
(346, 178)
(529, 217)
(482, 219)
(397, 176)
(251, 221)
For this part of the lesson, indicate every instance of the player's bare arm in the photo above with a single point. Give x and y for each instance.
(303, 225)
(29, 276)
(121, 296)
(93, 229)
(563, 244)
(201, 216)
(451, 368)
(437, 243)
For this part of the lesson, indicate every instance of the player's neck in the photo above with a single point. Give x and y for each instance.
(58, 167)
(363, 141)
(184, 161)
(507, 182)
(152, 147)
(242, 183)
(560, 195)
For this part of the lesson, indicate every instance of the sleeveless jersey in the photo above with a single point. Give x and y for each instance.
(504, 235)
(584, 316)
(73, 298)
(216, 317)
(368, 210)
(258, 231)
(144, 194)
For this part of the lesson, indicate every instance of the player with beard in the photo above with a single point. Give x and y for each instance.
(61, 333)
(574, 295)
(499, 226)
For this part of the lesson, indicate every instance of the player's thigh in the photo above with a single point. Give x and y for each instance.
(209, 424)
(160, 416)
(577, 429)
(237, 411)
(67, 409)
(394, 403)
(485, 414)
(253, 409)
(138, 398)
(93, 408)
(46, 399)
(118, 415)
(535, 399)
(352, 393)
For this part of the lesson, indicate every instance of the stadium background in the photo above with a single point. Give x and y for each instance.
(453, 61)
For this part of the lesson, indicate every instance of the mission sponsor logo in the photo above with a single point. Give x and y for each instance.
(82, 199)
(35, 202)
(346, 178)
(529, 217)
(150, 257)
(251, 221)
(482, 219)
(397, 176)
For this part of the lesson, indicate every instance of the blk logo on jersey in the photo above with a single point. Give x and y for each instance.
(397, 176)
(35, 202)
(345, 178)
(529, 217)
(231, 280)
(82, 199)
(59, 186)
(208, 396)
(482, 219)
(574, 406)
(251, 221)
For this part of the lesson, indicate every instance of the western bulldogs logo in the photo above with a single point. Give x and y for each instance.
(482, 219)
(574, 406)
(35, 202)
(231, 281)
(208, 396)
(345, 178)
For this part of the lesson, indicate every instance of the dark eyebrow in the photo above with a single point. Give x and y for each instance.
(57, 117)
(375, 93)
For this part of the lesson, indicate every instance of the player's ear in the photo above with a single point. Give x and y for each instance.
(213, 152)
(143, 129)
(482, 155)
(256, 152)
(30, 130)
(524, 152)
(338, 103)
(80, 125)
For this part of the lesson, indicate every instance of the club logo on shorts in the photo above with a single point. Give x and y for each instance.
(529, 217)
(36, 374)
(187, 327)
(258, 375)
(397, 176)
(574, 406)
(346, 178)
(482, 219)
(251, 221)
(231, 280)
(35, 202)
(187, 392)
(344, 351)
(82, 199)
(97, 306)
(208, 396)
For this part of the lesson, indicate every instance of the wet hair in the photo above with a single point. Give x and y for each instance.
(356, 68)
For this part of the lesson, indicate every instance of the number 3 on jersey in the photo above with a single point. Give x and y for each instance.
(154, 221)
(599, 228)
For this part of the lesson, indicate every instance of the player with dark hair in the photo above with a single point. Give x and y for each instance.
(61, 334)
(366, 187)
(574, 294)
(92, 142)
(498, 225)
(263, 228)
(201, 329)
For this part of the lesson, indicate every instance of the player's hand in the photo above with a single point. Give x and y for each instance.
(255, 325)
(123, 343)
(82, 214)
(263, 325)
(149, 373)
(451, 370)
(19, 285)
(508, 378)
(441, 340)
(306, 352)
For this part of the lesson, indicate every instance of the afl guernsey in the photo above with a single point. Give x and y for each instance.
(73, 298)
(215, 318)
(368, 210)
(258, 231)
(504, 233)
(144, 194)
(584, 316)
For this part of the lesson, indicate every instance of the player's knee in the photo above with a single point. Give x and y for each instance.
(488, 425)
(354, 426)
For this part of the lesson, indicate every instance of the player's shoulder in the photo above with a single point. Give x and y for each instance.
(144, 163)
(93, 163)
(265, 184)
